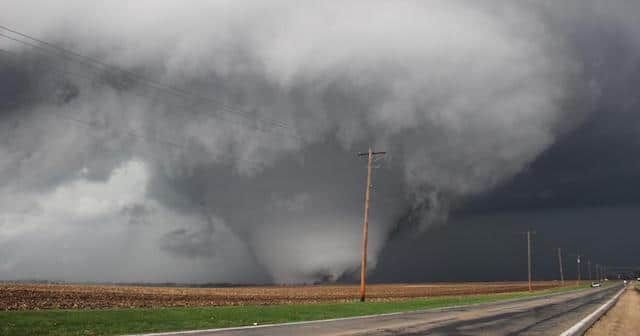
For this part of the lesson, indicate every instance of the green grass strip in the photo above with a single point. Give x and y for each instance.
(131, 321)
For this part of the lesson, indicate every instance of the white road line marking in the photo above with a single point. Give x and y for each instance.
(582, 326)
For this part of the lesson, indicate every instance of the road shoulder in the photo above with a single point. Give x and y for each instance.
(623, 318)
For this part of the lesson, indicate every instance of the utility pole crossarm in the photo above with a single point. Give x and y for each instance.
(372, 153)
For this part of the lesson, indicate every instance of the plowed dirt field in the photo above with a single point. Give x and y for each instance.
(28, 297)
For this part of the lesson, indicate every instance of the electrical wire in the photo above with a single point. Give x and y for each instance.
(47, 47)
(67, 73)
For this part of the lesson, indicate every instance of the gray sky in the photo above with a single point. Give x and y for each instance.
(497, 116)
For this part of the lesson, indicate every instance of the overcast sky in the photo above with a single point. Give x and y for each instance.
(230, 155)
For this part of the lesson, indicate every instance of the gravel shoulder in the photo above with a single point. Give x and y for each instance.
(623, 318)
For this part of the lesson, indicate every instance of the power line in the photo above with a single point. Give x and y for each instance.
(90, 60)
(186, 107)
(64, 72)
(129, 133)
(47, 47)
(133, 134)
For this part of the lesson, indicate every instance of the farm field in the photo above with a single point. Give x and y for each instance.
(42, 297)
(121, 321)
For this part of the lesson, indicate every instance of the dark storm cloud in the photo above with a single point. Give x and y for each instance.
(136, 213)
(581, 194)
(189, 244)
(597, 164)
(464, 95)
(13, 94)
(492, 246)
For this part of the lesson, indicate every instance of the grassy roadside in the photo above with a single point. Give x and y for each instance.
(128, 321)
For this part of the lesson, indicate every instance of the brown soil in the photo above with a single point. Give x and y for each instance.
(27, 296)
(623, 318)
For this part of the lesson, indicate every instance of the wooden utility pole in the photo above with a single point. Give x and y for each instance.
(560, 264)
(529, 257)
(365, 228)
(578, 262)
(589, 269)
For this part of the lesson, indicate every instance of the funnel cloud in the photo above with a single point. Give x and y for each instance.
(246, 171)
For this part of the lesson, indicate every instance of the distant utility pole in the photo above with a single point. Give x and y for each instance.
(601, 271)
(529, 257)
(365, 229)
(578, 262)
(589, 268)
(560, 264)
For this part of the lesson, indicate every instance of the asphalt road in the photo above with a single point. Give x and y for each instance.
(549, 315)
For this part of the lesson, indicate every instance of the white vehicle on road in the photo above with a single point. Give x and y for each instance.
(595, 284)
